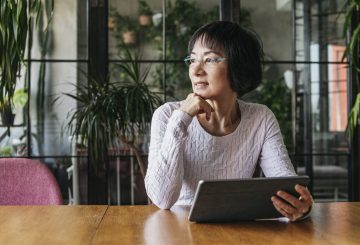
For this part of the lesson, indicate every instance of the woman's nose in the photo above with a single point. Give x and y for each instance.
(198, 69)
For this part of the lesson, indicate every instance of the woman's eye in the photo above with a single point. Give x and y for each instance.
(192, 60)
(211, 60)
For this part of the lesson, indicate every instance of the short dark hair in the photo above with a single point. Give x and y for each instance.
(243, 50)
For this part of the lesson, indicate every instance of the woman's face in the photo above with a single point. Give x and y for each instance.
(209, 78)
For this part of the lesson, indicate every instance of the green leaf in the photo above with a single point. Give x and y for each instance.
(354, 116)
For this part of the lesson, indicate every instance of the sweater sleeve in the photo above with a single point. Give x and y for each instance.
(165, 171)
(274, 158)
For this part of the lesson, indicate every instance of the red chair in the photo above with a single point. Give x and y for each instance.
(27, 182)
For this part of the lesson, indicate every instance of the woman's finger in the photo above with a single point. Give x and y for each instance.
(291, 216)
(304, 193)
(283, 212)
(195, 104)
(295, 202)
(282, 205)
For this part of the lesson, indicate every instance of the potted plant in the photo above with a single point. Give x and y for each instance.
(112, 18)
(111, 23)
(123, 27)
(140, 103)
(144, 13)
(127, 28)
(112, 111)
(7, 107)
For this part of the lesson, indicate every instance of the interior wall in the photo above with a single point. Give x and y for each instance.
(274, 27)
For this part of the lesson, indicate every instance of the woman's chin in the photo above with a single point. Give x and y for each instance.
(201, 92)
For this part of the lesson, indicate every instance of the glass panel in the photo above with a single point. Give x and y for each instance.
(48, 119)
(330, 176)
(125, 181)
(179, 29)
(67, 35)
(321, 98)
(277, 79)
(13, 141)
(326, 36)
(272, 21)
(136, 24)
(329, 97)
(324, 30)
(148, 38)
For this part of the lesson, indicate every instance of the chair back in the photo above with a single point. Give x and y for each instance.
(27, 182)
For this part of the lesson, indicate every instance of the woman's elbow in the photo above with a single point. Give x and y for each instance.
(160, 200)
(163, 198)
(164, 205)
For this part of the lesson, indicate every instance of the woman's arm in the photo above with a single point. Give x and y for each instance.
(165, 171)
(274, 159)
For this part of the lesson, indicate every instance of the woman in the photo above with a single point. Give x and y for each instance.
(212, 134)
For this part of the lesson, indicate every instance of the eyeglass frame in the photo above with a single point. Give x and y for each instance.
(216, 60)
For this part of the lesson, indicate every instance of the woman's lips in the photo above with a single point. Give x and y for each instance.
(201, 84)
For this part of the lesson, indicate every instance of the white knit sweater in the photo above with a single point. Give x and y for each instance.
(181, 152)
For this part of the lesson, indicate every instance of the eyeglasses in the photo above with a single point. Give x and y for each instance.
(189, 61)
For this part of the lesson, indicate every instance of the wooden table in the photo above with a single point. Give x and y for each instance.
(330, 223)
(49, 224)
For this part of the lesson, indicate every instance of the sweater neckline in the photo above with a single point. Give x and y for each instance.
(207, 134)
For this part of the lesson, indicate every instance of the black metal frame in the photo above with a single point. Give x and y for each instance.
(307, 114)
(229, 10)
(98, 185)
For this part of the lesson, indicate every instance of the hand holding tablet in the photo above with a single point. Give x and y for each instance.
(292, 207)
(244, 199)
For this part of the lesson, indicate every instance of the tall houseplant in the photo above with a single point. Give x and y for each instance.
(353, 52)
(15, 20)
(112, 111)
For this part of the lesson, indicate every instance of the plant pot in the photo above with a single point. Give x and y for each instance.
(144, 20)
(156, 19)
(111, 23)
(7, 118)
(129, 37)
(181, 29)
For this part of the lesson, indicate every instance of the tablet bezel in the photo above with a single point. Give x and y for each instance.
(240, 199)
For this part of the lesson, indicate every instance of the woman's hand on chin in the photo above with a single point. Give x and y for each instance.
(195, 104)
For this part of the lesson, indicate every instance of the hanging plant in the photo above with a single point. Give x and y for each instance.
(19, 100)
(15, 19)
(144, 14)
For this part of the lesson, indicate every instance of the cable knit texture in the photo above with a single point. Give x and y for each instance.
(181, 152)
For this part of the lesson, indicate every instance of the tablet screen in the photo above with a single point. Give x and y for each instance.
(240, 199)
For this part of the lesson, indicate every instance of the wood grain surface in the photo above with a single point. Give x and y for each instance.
(330, 223)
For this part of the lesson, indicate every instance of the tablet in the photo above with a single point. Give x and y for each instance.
(240, 199)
